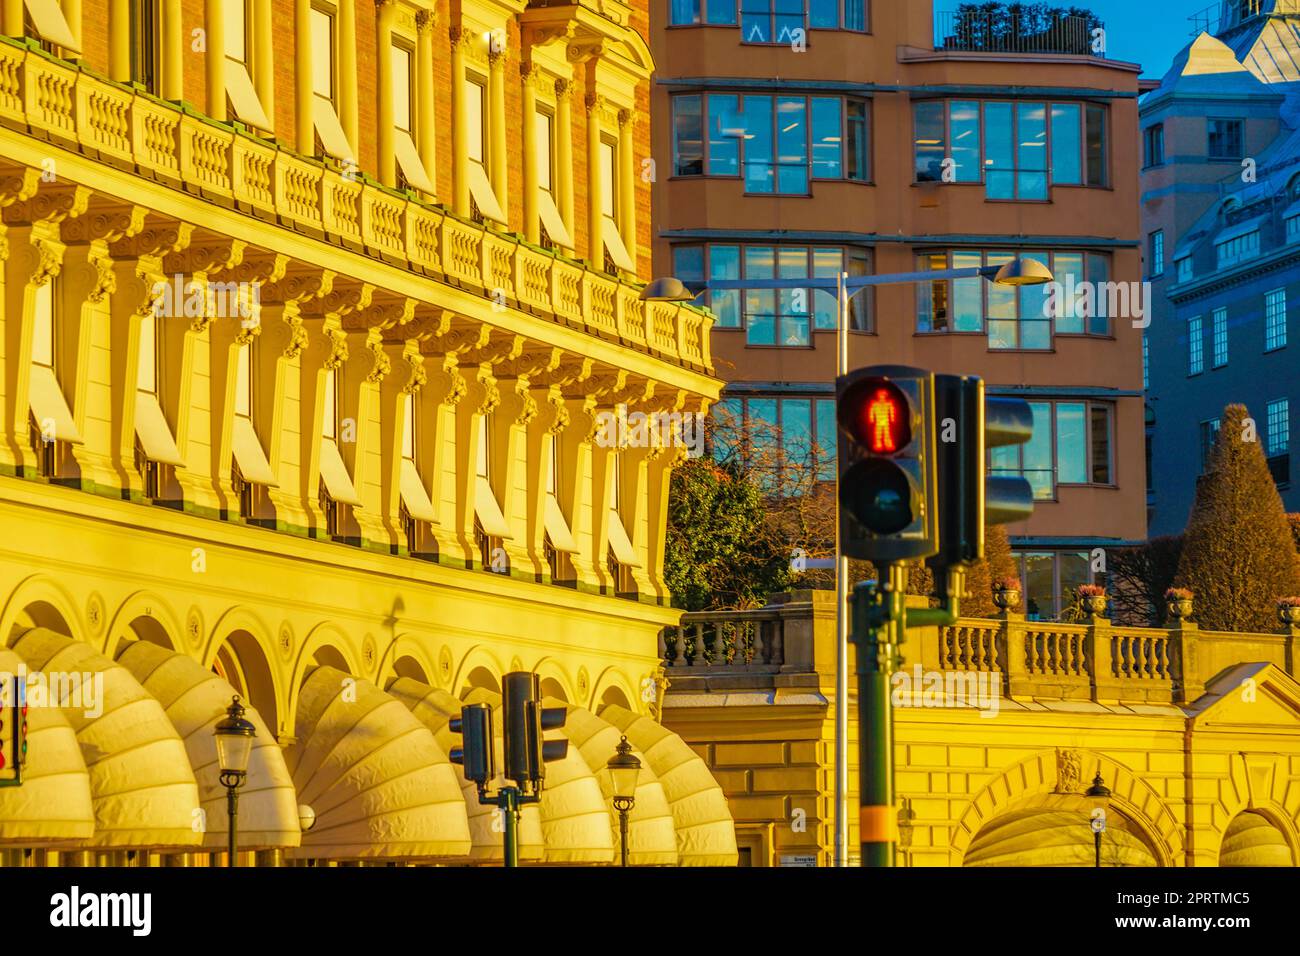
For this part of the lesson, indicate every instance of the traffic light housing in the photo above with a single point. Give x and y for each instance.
(969, 499)
(476, 755)
(526, 752)
(887, 467)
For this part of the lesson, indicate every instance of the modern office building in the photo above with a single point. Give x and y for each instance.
(1221, 227)
(847, 136)
(306, 335)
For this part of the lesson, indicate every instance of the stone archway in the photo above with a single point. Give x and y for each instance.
(1252, 839)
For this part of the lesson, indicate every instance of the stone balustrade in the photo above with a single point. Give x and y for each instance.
(1095, 660)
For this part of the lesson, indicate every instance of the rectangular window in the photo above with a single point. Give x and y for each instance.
(1067, 145)
(403, 117)
(244, 102)
(790, 441)
(43, 325)
(146, 377)
(1225, 140)
(1156, 254)
(1095, 146)
(684, 12)
(330, 413)
(1071, 445)
(475, 114)
(1146, 364)
(1209, 433)
(770, 21)
(857, 149)
(1153, 146)
(146, 33)
(1195, 346)
(1237, 249)
(322, 54)
(1184, 267)
(411, 172)
(688, 135)
(1279, 427)
(1274, 319)
(408, 426)
(930, 145)
(1219, 355)
(964, 125)
(1292, 226)
(244, 382)
(234, 13)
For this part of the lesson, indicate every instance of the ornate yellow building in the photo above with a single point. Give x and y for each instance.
(309, 314)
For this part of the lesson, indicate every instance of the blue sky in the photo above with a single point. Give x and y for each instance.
(1149, 32)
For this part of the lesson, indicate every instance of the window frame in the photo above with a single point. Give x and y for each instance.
(1219, 337)
(1090, 407)
(1272, 449)
(1275, 320)
(1153, 146)
(1195, 345)
(1156, 253)
(1214, 157)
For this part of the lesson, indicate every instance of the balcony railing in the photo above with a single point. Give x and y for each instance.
(1220, 17)
(1006, 31)
(1095, 661)
(81, 111)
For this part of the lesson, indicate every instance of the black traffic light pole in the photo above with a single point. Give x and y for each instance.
(526, 752)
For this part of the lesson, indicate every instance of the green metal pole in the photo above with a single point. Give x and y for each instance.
(877, 632)
(232, 811)
(510, 804)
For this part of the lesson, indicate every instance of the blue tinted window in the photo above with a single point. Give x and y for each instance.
(964, 120)
(1067, 144)
(1031, 151)
(726, 128)
(823, 14)
(685, 11)
(721, 11)
(826, 138)
(930, 145)
(855, 14)
(792, 143)
(724, 263)
(999, 151)
(760, 174)
(688, 136)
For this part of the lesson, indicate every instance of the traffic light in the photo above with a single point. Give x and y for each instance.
(476, 754)
(968, 424)
(886, 456)
(525, 720)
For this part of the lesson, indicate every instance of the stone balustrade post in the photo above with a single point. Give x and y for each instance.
(1292, 645)
(1189, 683)
(1104, 683)
(1011, 638)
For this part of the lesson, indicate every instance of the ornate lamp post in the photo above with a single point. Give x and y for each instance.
(1099, 796)
(234, 746)
(624, 768)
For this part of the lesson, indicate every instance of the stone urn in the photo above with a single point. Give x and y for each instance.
(1006, 599)
(1180, 609)
(1094, 604)
(1289, 614)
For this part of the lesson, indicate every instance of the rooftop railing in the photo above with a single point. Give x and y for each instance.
(1003, 31)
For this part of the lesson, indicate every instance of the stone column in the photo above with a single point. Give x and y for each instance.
(499, 158)
(174, 49)
(426, 138)
(595, 183)
(460, 41)
(528, 77)
(627, 182)
(385, 11)
(264, 56)
(347, 72)
(119, 40)
(304, 127)
(214, 57)
(564, 153)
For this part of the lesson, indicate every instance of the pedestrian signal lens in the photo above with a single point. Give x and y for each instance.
(882, 418)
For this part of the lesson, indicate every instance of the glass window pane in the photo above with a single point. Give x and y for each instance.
(243, 382)
(236, 30)
(964, 118)
(1098, 280)
(544, 146)
(1096, 145)
(408, 426)
(855, 14)
(1100, 444)
(726, 130)
(857, 156)
(1037, 452)
(827, 264)
(474, 95)
(762, 432)
(796, 430)
(1034, 309)
(727, 418)
(1071, 443)
(932, 297)
(1067, 267)
(147, 365)
(1075, 569)
(724, 263)
(721, 11)
(1067, 151)
(930, 146)
(788, 17)
(43, 324)
(760, 174)
(967, 294)
(792, 144)
(1040, 587)
(608, 179)
(755, 20)
(688, 265)
(999, 151)
(688, 136)
(1031, 151)
(823, 14)
(826, 138)
(685, 11)
(329, 415)
(827, 435)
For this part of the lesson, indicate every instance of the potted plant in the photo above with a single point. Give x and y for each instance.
(1093, 598)
(1006, 593)
(1288, 610)
(1178, 602)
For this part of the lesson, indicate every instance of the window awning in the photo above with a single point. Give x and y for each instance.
(335, 474)
(483, 194)
(153, 431)
(619, 542)
(195, 699)
(614, 246)
(49, 407)
(143, 789)
(706, 834)
(243, 97)
(414, 495)
(557, 527)
(409, 162)
(50, 23)
(1240, 229)
(53, 806)
(488, 511)
(330, 130)
(379, 782)
(552, 219)
(249, 455)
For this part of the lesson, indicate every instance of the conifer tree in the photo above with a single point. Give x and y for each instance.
(1238, 556)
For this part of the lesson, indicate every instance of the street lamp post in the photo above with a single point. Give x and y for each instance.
(1017, 272)
(234, 746)
(624, 768)
(1099, 797)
